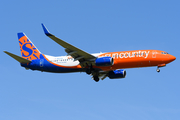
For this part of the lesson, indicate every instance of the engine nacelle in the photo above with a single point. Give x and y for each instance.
(117, 74)
(104, 61)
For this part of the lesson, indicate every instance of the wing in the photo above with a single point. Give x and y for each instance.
(78, 54)
(18, 58)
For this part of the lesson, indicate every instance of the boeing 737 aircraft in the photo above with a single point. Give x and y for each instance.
(99, 65)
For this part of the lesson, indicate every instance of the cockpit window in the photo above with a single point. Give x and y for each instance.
(164, 53)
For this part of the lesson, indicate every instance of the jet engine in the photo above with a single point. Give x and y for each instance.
(117, 74)
(104, 61)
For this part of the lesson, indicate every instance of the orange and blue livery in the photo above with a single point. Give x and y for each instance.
(98, 65)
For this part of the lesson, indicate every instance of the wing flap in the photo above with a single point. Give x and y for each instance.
(18, 58)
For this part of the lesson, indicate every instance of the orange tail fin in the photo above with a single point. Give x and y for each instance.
(28, 50)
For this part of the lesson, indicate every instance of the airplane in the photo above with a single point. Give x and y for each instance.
(98, 65)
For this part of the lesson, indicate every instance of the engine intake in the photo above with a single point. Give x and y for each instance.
(117, 74)
(104, 61)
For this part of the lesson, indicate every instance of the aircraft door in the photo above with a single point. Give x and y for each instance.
(154, 54)
(41, 62)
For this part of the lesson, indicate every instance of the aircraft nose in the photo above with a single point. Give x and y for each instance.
(172, 58)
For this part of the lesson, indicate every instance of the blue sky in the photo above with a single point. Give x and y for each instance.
(94, 26)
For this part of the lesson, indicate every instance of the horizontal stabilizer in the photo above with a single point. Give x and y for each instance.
(18, 58)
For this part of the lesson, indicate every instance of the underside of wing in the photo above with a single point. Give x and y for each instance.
(73, 51)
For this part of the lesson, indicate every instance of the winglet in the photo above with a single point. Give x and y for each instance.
(46, 30)
(18, 58)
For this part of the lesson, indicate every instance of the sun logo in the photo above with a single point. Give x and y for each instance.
(28, 50)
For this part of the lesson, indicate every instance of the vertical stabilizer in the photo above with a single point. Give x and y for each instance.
(28, 50)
